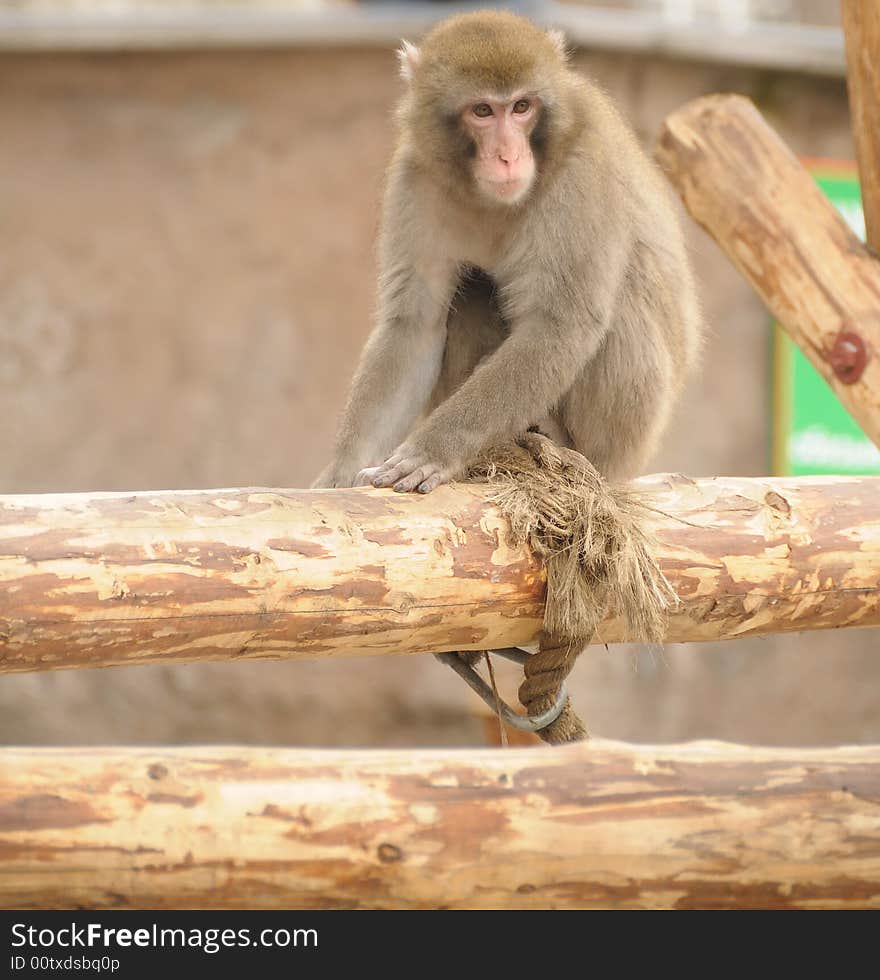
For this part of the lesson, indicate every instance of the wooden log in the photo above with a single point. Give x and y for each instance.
(742, 184)
(703, 825)
(104, 579)
(861, 28)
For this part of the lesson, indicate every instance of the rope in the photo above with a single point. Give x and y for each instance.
(598, 555)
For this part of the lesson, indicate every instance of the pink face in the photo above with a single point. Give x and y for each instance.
(505, 166)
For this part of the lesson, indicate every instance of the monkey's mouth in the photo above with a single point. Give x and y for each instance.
(509, 191)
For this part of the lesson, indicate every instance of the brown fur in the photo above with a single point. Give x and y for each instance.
(583, 319)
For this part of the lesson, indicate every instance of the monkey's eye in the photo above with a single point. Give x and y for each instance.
(482, 109)
(522, 105)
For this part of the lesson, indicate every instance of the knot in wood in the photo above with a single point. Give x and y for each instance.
(848, 357)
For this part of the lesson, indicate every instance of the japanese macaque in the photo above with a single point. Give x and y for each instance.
(532, 270)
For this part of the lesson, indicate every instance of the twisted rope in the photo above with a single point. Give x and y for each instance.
(598, 555)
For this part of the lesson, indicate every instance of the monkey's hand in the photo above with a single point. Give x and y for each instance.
(336, 475)
(410, 468)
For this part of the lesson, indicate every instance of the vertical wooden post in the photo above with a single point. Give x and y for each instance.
(861, 26)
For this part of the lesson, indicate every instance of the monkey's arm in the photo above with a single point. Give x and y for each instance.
(402, 357)
(507, 393)
(397, 371)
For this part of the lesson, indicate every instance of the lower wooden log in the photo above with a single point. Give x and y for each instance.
(703, 825)
(104, 579)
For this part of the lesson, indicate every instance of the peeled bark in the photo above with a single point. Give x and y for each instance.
(89, 580)
(704, 825)
(742, 184)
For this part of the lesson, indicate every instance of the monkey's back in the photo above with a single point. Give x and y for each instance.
(662, 282)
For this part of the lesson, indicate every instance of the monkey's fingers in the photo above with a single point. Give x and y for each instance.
(365, 476)
(418, 478)
(406, 473)
(388, 472)
(432, 483)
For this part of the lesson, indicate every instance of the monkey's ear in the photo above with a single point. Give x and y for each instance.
(409, 56)
(559, 42)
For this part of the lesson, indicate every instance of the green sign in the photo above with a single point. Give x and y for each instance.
(813, 432)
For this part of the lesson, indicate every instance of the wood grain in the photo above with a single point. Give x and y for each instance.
(861, 28)
(94, 580)
(606, 825)
(743, 185)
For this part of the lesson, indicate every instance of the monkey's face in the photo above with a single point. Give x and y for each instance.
(503, 163)
(488, 96)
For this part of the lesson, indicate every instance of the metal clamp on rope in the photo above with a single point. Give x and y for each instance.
(525, 723)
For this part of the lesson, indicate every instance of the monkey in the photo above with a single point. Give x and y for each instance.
(532, 270)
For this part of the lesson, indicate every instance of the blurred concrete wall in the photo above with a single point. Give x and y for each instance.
(186, 263)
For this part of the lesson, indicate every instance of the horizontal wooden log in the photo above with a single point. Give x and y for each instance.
(607, 825)
(104, 579)
(742, 184)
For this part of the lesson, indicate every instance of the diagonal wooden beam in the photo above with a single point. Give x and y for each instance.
(745, 187)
